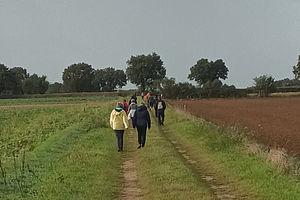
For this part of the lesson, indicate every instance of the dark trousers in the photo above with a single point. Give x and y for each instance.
(155, 112)
(119, 135)
(142, 134)
(161, 116)
(132, 121)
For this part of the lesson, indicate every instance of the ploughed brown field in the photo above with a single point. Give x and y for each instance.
(274, 121)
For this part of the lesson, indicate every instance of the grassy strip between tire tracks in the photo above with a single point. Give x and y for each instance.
(223, 154)
(162, 172)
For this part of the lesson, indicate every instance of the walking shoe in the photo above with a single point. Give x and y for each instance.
(139, 147)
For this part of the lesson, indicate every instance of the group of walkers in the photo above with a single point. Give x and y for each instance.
(139, 115)
(158, 104)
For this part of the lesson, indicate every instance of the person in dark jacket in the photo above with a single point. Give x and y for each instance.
(141, 122)
(150, 102)
(154, 104)
(133, 98)
(160, 107)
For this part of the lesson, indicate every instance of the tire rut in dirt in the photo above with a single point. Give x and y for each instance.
(218, 188)
(130, 189)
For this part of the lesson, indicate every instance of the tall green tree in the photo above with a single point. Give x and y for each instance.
(35, 84)
(20, 72)
(264, 85)
(144, 70)
(169, 87)
(55, 88)
(9, 81)
(78, 78)
(204, 71)
(173, 90)
(215, 84)
(296, 69)
(109, 79)
(120, 78)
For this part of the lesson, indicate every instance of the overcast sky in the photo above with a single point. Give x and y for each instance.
(253, 37)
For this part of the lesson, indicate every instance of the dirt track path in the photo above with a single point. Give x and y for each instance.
(130, 188)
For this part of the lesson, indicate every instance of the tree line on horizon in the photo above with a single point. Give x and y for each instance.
(16, 80)
(147, 72)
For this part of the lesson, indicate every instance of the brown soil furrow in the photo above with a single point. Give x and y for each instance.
(274, 121)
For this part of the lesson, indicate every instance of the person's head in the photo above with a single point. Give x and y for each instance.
(119, 105)
(124, 100)
(159, 97)
(142, 104)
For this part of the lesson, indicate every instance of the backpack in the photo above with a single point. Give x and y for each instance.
(160, 105)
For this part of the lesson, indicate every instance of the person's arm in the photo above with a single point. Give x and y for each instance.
(164, 105)
(134, 119)
(148, 120)
(111, 119)
(129, 108)
(125, 120)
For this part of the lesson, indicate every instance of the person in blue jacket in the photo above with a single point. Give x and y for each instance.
(141, 121)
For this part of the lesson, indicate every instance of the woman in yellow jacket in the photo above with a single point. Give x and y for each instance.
(119, 122)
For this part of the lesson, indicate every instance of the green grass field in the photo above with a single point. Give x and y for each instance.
(57, 100)
(58, 153)
(69, 152)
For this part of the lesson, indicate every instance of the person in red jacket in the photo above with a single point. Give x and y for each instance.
(125, 106)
